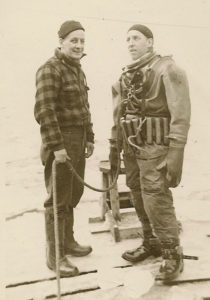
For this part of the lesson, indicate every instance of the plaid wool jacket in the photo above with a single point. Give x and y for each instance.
(61, 100)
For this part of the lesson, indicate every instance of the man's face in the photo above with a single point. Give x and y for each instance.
(73, 44)
(138, 44)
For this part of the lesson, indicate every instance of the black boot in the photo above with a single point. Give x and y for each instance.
(150, 246)
(172, 264)
(66, 267)
(72, 247)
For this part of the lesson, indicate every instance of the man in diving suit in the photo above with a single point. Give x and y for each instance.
(151, 123)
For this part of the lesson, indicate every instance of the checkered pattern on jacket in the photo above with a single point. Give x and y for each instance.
(61, 100)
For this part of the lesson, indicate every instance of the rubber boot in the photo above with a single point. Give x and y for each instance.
(150, 246)
(172, 264)
(72, 247)
(66, 267)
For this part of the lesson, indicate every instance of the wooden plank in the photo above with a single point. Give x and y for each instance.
(93, 220)
(124, 195)
(192, 273)
(125, 232)
(114, 199)
(129, 212)
(113, 226)
(130, 232)
(99, 227)
(187, 280)
(124, 200)
(25, 256)
(26, 250)
(106, 294)
(104, 196)
(41, 290)
(130, 226)
(40, 272)
(104, 166)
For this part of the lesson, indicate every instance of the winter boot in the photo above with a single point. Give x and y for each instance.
(72, 247)
(66, 267)
(172, 264)
(150, 246)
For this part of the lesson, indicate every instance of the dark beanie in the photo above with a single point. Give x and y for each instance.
(68, 27)
(143, 29)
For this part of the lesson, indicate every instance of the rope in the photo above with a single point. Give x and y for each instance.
(71, 168)
(134, 136)
(57, 254)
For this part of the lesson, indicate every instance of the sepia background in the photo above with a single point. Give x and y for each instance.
(29, 36)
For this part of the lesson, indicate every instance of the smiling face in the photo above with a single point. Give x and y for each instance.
(138, 44)
(73, 44)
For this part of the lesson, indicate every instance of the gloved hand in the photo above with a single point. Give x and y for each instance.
(173, 165)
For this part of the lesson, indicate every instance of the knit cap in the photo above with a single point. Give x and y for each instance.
(68, 27)
(143, 29)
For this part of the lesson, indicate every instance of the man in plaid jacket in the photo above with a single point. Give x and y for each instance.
(62, 110)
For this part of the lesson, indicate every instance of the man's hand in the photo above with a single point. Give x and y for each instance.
(61, 156)
(89, 149)
(173, 166)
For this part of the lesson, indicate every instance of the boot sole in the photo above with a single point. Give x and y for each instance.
(78, 254)
(65, 274)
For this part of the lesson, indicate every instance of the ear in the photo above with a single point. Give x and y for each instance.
(60, 41)
(150, 42)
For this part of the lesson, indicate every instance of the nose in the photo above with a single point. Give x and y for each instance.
(130, 43)
(79, 44)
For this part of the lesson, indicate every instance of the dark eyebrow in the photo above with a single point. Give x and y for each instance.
(133, 36)
(76, 38)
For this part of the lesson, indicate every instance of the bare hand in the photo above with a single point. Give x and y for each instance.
(89, 149)
(61, 156)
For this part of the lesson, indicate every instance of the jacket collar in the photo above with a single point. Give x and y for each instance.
(141, 62)
(67, 60)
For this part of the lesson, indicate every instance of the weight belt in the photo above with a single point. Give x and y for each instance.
(148, 129)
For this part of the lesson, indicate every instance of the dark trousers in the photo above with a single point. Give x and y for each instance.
(133, 182)
(69, 189)
(157, 199)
